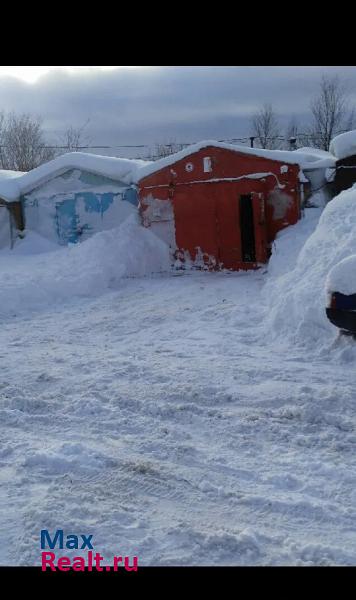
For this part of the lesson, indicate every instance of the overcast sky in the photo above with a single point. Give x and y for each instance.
(145, 105)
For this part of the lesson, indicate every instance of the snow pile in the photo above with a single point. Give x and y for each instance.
(296, 288)
(289, 243)
(86, 269)
(32, 243)
(344, 145)
(318, 199)
(342, 277)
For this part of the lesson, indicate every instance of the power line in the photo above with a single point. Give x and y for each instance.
(179, 145)
(174, 144)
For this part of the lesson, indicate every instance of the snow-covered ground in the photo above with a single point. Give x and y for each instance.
(168, 416)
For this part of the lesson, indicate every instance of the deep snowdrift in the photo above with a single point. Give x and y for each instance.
(43, 278)
(342, 277)
(296, 292)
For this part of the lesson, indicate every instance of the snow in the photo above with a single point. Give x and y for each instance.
(307, 159)
(302, 177)
(174, 415)
(122, 169)
(343, 145)
(317, 152)
(69, 183)
(320, 170)
(330, 174)
(129, 171)
(342, 277)
(297, 299)
(8, 174)
(43, 279)
(30, 243)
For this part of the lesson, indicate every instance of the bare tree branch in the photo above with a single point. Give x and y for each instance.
(74, 138)
(161, 150)
(23, 143)
(266, 128)
(330, 112)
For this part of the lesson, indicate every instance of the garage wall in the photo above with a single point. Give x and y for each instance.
(73, 206)
(5, 231)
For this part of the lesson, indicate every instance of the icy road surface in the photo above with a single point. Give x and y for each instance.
(160, 419)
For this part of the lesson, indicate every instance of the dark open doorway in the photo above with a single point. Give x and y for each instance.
(248, 249)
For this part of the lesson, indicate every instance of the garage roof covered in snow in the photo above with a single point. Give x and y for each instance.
(303, 159)
(14, 183)
(119, 169)
(322, 158)
(7, 174)
(344, 145)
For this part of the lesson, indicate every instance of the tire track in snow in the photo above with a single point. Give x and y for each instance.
(237, 419)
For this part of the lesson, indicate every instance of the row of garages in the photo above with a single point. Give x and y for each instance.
(215, 205)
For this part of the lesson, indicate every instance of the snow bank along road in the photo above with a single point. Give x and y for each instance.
(160, 418)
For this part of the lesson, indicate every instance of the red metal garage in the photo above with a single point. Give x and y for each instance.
(220, 206)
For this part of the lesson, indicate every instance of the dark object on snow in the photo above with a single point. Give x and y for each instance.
(342, 312)
(345, 175)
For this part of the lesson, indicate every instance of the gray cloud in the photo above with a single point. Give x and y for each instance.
(156, 104)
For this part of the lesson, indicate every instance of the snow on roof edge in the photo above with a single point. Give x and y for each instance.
(312, 160)
(120, 169)
(134, 170)
(8, 174)
(343, 145)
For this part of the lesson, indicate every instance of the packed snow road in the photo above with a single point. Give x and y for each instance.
(160, 418)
